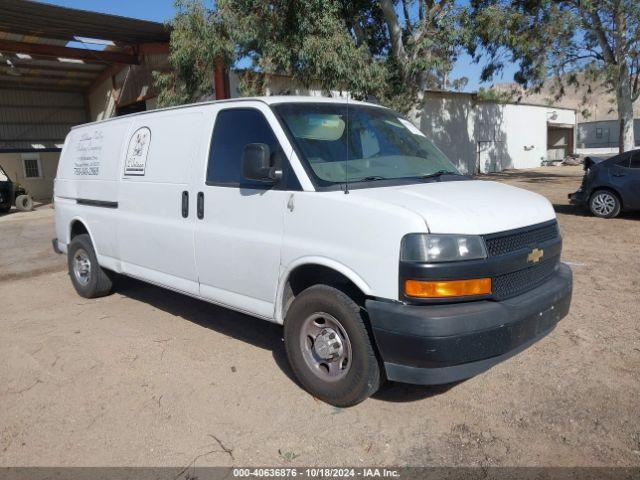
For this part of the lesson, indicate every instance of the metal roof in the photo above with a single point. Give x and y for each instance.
(50, 21)
(51, 55)
(56, 48)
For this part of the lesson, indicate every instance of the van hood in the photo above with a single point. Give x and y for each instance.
(468, 207)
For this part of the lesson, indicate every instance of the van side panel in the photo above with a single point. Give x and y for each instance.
(156, 243)
(86, 185)
(327, 228)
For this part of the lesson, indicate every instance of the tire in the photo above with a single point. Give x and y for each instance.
(88, 278)
(342, 373)
(24, 203)
(605, 204)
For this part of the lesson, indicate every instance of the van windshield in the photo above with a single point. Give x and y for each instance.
(358, 143)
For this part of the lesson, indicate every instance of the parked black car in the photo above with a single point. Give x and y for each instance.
(9, 191)
(610, 185)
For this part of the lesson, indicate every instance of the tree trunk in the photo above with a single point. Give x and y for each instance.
(395, 31)
(625, 112)
(624, 91)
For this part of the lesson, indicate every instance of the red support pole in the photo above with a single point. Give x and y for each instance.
(218, 80)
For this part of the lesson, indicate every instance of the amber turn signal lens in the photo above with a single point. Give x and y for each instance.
(448, 288)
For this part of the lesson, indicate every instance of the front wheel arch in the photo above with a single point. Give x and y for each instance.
(309, 274)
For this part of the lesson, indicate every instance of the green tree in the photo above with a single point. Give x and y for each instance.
(199, 36)
(306, 39)
(357, 45)
(565, 42)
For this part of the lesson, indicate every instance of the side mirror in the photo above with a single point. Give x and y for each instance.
(257, 165)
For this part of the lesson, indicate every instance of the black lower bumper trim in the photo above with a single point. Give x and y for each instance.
(446, 343)
(454, 373)
(579, 197)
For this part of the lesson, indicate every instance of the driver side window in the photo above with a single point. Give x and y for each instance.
(235, 128)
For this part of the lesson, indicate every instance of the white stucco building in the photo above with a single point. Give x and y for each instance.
(484, 136)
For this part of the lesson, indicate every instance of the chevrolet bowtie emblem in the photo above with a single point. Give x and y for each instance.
(535, 255)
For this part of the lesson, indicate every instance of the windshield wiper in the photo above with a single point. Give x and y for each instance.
(439, 173)
(372, 178)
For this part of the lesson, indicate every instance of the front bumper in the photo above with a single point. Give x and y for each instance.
(579, 197)
(437, 344)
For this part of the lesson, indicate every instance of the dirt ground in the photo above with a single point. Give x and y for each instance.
(147, 377)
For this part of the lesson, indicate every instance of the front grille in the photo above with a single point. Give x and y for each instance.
(507, 242)
(515, 283)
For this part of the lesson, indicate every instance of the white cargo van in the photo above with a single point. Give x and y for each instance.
(341, 221)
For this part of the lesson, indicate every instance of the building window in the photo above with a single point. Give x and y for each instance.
(598, 132)
(31, 164)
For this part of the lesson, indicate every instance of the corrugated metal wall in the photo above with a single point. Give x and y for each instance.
(34, 119)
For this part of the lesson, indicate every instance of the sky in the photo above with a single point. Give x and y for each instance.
(162, 10)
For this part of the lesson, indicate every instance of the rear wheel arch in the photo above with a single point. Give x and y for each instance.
(77, 227)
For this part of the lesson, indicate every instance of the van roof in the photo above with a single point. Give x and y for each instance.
(271, 100)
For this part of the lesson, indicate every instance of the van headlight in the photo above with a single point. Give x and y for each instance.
(425, 247)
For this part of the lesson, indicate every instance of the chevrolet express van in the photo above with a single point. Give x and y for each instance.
(339, 220)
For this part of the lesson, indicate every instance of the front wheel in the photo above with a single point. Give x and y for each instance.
(604, 204)
(329, 348)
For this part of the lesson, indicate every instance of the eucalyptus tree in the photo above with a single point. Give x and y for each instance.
(381, 48)
(564, 42)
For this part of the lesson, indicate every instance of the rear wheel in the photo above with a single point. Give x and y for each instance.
(329, 348)
(88, 278)
(604, 204)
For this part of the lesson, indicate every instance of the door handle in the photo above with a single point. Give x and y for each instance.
(185, 204)
(200, 205)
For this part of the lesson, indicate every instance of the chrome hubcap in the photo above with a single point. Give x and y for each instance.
(603, 203)
(82, 266)
(325, 346)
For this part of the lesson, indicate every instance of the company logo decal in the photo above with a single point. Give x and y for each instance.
(137, 152)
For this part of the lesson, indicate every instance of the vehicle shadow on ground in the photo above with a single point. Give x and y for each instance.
(13, 210)
(246, 328)
(404, 392)
(10, 212)
(257, 332)
(576, 210)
